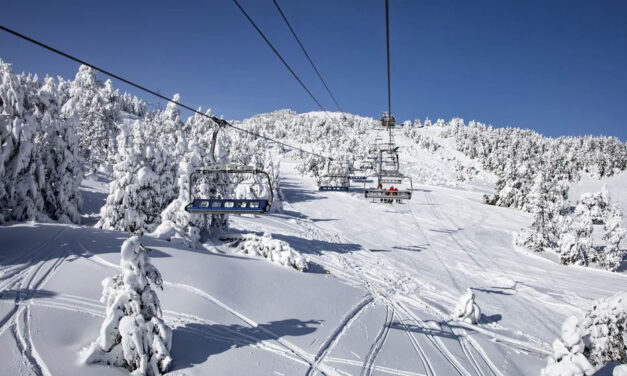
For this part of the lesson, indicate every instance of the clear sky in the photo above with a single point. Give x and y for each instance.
(559, 67)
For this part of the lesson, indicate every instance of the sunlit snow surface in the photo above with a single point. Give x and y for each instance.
(377, 298)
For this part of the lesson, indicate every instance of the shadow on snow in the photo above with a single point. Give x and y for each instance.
(194, 343)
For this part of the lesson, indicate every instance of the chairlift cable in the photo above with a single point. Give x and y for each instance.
(158, 95)
(282, 59)
(308, 57)
(313, 66)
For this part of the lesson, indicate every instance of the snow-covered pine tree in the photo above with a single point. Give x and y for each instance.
(535, 237)
(23, 169)
(38, 169)
(168, 129)
(576, 242)
(133, 334)
(612, 256)
(557, 209)
(136, 194)
(597, 204)
(605, 327)
(546, 200)
(96, 109)
(132, 105)
(61, 159)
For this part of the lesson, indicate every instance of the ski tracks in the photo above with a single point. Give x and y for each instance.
(294, 350)
(332, 341)
(32, 269)
(378, 343)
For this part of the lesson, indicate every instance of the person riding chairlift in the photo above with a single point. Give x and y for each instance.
(392, 193)
(396, 194)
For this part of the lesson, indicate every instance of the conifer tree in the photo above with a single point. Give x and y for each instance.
(136, 194)
(613, 233)
(133, 334)
(576, 243)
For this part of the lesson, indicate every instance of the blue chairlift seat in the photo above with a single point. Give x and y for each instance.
(227, 206)
(327, 188)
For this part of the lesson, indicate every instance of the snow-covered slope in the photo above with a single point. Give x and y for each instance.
(378, 297)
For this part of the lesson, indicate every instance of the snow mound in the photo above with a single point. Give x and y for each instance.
(466, 309)
(568, 358)
(265, 246)
(133, 334)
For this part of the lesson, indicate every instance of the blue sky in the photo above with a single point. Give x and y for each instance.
(559, 67)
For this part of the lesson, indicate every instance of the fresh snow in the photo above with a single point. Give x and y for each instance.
(378, 297)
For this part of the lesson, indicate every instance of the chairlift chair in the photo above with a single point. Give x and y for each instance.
(333, 182)
(379, 193)
(388, 161)
(388, 120)
(228, 205)
(358, 169)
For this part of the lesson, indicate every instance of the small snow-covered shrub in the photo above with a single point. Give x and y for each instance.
(466, 309)
(606, 328)
(133, 334)
(568, 353)
(265, 246)
(599, 339)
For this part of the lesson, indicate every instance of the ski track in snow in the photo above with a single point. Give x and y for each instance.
(297, 351)
(30, 272)
(479, 249)
(378, 343)
(358, 271)
(392, 308)
(330, 343)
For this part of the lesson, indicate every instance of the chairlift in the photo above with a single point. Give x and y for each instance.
(358, 169)
(388, 120)
(365, 165)
(228, 205)
(388, 161)
(380, 193)
(333, 182)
